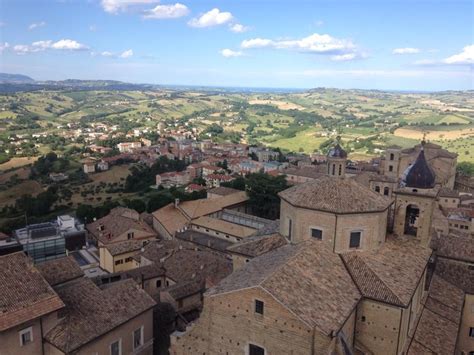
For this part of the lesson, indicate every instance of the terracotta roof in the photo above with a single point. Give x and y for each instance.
(180, 291)
(204, 240)
(258, 245)
(24, 294)
(117, 222)
(174, 219)
(223, 191)
(184, 262)
(91, 312)
(308, 279)
(203, 207)
(390, 274)
(171, 218)
(438, 326)
(225, 227)
(60, 270)
(124, 247)
(454, 247)
(365, 177)
(335, 195)
(306, 171)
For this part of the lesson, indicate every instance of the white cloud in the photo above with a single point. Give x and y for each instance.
(406, 50)
(167, 11)
(126, 54)
(36, 25)
(465, 57)
(379, 73)
(3, 46)
(238, 28)
(107, 54)
(116, 6)
(40, 46)
(211, 18)
(229, 53)
(340, 49)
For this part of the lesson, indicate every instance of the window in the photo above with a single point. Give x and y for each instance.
(392, 156)
(317, 233)
(471, 332)
(256, 350)
(377, 188)
(116, 347)
(354, 241)
(386, 191)
(158, 283)
(130, 235)
(340, 170)
(118, 262)
(290, 227)
(26, 336)
(333, 169)
(129, 259)
(362, 318)
(390, 168)
(259, 306)
(138, 338)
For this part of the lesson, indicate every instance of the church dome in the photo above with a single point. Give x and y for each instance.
(419, 174)
(337, 152)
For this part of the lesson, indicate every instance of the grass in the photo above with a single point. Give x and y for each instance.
(17, 162)
(28, 187)
(305, 141)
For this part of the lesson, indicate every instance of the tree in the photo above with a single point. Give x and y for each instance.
(263, 190)
(465, 168)
(137, 205)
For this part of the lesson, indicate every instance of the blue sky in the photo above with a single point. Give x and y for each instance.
(384, 44)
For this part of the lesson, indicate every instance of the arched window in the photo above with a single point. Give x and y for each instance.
(392, 156)
(386, 191)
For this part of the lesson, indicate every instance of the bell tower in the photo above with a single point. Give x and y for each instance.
(415, 200)
(336, 160)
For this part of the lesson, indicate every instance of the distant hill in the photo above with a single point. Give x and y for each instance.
(15, 78)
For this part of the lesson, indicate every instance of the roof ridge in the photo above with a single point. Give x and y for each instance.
(368, 268)
(280, 266)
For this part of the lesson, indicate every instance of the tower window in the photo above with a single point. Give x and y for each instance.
(334, 169)
(340, 169)
(290, 227)
(390, 168)
(256, 350)
(392, 156)
(386, 191)
(317, 233)
(377, 188)
(354, 241)
(259, 305)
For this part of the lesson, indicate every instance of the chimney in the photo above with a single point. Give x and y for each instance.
(176, 202)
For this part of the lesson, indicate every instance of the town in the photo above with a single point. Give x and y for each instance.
(247, 250)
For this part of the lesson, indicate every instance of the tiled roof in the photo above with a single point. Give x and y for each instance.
(91, 312)
(308, 279)
(438, 326)
(224, 226)
(124, 247)
(117, 222)
(306, 171)
(60, 270)
(419, 174)
(336, 195)
(171, 218)
(258, 245)
(179, 291)
(365, 177)
(24, 294)
(222, 191)
(454, 247)
(204, 240)
(390, 274)
(203, 207)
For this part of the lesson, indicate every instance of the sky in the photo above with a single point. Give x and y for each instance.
(368, 44)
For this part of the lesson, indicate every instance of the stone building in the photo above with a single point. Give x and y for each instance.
(343, 283)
